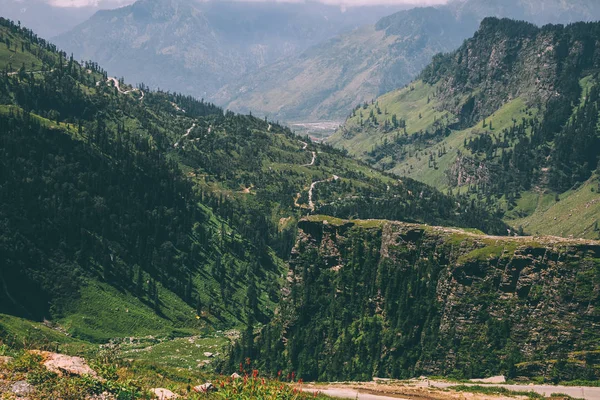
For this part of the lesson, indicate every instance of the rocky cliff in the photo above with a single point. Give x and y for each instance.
(390, 299)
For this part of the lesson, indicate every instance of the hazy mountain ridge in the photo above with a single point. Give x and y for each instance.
(196, 47)
(367, 63)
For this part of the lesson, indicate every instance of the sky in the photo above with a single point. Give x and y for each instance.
(118, 3)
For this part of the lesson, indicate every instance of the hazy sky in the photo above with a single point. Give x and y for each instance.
(117, 3)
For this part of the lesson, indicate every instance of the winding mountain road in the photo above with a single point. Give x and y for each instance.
(115, 81)
(187, 133)
(314, 155)
(311, 204)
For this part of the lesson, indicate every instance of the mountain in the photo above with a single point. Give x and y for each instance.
(510, 117)
(163, 238)
(380, 299)
(159, 207)
(326, 81)
(196, 47)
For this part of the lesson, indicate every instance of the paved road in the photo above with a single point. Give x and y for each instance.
(351, 394)
(581, 392)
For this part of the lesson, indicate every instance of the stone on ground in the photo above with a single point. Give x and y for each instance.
(5, 360)
(163, 394)
(65, 365)
(206, 388)
(21, 388)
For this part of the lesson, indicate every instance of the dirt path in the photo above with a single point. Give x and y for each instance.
(187, 133)
(115, 81)
(314, 155)
(311, 204)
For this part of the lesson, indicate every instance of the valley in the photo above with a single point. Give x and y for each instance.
(153, 244)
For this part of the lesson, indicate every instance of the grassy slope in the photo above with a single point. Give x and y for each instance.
(536, 212)
(406, 103)
(576, 214)
(417, 167)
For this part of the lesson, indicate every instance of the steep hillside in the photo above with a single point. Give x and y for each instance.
(196, 47)
(100, 231)
(132, 212)
(326, 81)
(513, 111)
(378, 298)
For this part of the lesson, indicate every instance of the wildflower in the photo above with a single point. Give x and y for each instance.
(254, 373)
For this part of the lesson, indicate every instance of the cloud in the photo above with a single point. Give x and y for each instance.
(347, 3)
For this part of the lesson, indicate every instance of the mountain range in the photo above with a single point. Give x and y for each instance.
(197, 47)
(326, 81)
(291, 62)
(169, 240)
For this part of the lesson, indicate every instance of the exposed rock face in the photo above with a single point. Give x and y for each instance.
(408, 299)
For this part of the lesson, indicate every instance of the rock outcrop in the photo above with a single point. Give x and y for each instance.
(392, 299)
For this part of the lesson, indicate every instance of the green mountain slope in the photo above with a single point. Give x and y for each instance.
(132, 212)
(512, 111)
(395, 300)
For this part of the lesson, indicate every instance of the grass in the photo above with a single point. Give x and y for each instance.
(103, 313)
(417, 166)
(127, 380)
(409, 104)
(187, 353)
(576, 213)
(13, 60)
(25, 333)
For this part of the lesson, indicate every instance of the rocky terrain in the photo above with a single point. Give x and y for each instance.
(391, 299)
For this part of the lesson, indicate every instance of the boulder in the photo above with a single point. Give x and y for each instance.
(208, 354)
(21, 388)
(235, 375)
(65, 365)
(163, 394)
(206, 388)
